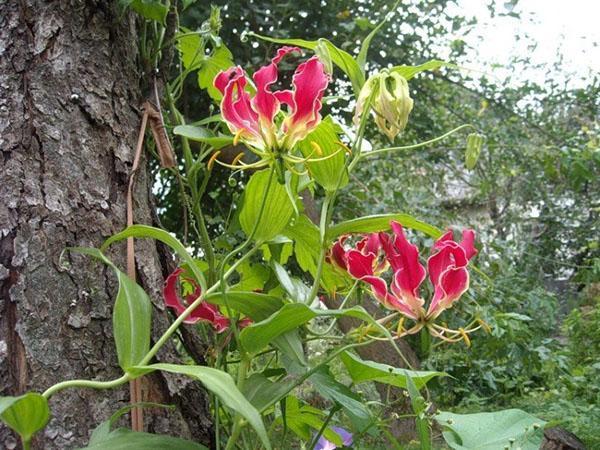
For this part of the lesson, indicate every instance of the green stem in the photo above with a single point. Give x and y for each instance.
(238, 420)
(85, 384)
(313, 443)
(420, 144)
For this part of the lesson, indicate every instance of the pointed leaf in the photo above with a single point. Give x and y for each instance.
(132, 315)
(221, 384)
(26, 414)
(124, 439)
(201, 134)
(252, 304)
(363, 370)
(381, 222)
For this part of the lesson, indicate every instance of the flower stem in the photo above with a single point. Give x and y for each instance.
(85, 384)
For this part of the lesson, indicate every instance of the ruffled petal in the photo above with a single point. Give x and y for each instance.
(403, 256)
(310, 81)
(454, 282)
(380, 292)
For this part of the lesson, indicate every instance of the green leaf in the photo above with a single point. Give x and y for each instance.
(307, 243)
(190, 48)
(132, 315)
(277, 211)
(491, 431)
(144, 231)
(221, 384)
(296, 289)
(149, 9)
(26, 414)
(331, 389)
(381, 222)
(102, 431)
(409, 72)
(124, 439)
(221, 59)
(263, 393)
(257, 336)
(201, 134)
(329, 171)
(340, 58)
(363, 371)
(255, 305)
(301, 419)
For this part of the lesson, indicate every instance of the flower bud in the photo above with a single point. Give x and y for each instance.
(322, 52)
(390, 102)
(474, 145)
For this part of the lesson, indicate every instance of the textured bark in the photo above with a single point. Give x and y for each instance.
(68, 124)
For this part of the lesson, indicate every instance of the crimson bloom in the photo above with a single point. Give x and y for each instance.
(447, 267)
(206, 312)
(252, 118)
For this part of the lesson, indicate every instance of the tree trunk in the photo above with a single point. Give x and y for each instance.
(69, 117)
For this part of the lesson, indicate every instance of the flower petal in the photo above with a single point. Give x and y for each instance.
(409, 273)
(310, 81)
(380, 291)
(454, 282)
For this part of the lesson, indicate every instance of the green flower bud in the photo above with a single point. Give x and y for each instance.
(474, 144)
(390, 102)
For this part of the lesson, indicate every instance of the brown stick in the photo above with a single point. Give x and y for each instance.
(135, 386)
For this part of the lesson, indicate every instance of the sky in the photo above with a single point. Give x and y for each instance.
(571, 26)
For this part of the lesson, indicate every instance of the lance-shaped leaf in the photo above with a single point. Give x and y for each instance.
(510, 428)
(252, 304)
(363, 370)
(381, 222)
(144, 231)
(26, 414)
(410, 71)
(201, 134)
(257, 336)
(277, 210)
(125, 439)
(221, 384)
(132, 315)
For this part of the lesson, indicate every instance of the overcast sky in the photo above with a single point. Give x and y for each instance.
(572, 26)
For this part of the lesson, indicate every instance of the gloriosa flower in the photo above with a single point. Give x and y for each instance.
(253, 119)
(447, 267)
(178, 282)
(390, 102)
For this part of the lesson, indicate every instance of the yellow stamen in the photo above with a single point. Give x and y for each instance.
(344, 146)
(485, 326)
(238, 135)
(237, 158)
(465, 336)
(317, 148)
(211, 161)
(400, 329)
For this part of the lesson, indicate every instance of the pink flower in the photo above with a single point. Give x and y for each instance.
(252, 119)
(447, 268)
(206, 312)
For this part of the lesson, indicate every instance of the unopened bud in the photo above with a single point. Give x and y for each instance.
(474, 144)
(390, 102)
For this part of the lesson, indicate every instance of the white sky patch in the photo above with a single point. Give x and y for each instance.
(555, 26)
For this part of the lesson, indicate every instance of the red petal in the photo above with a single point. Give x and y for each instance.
(380, 291)
(360, 265)
(403, 256)
(310, 81)
(454, 282)
(468, 243)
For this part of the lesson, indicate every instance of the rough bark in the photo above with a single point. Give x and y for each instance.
(68, 124)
